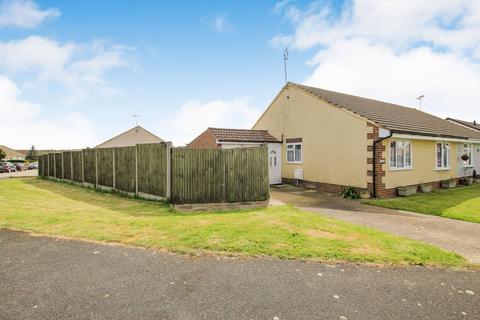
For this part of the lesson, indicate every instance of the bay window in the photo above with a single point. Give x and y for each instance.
(400, 154)
(443, 155)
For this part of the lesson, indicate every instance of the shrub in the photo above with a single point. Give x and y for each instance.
(350, 193)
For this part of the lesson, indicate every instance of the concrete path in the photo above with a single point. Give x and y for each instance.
(453, 235)
(46, 278)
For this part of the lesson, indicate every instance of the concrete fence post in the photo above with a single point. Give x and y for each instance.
(63, 168)
(48, 166)
(113, 167)
(71, 165)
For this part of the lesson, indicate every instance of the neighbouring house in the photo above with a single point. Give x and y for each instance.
(12, 154)
(222, 138)
(331, 140)
(136, 135)
(474, 125)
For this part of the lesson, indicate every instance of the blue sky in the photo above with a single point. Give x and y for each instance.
(77, 70)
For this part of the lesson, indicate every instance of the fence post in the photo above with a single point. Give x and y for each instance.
(48, 165)
(63, 169)
(96, 167)
(71, 165)
(136, 169)
(83, 169)
(169, 171)
(113, 166)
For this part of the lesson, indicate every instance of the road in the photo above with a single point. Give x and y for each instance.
(47, 278)
(19, 174)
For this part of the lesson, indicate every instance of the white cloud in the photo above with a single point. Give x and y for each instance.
(79, 67)
(451, 24)
(278, 7)
(394, 51)
(23, 125)
(24, 13)
(220, 23)
(194, 117)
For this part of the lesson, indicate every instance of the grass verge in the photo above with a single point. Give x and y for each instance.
(58, 209)
(460, 203)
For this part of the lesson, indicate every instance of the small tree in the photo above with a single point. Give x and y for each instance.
(3, 155)
(32, 154)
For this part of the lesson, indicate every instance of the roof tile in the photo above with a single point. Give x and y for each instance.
(242, 135)
(396, 118)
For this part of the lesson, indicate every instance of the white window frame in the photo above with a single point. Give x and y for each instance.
(294, 144)
(464, 147)
(449, 159)
(396, 167)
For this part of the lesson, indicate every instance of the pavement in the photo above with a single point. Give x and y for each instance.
(47, 278)
(454, 235)
(19, 174)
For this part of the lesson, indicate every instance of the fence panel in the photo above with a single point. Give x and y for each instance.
(45, 165)
(40, 166)
(105, 166)
(197, 176)
(246, 174)
(67, 165)
(58, 165)
(152, 168)
(51, 165)
(125, 169)
(89, 165)
(77, 166)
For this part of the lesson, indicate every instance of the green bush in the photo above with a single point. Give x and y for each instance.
(350, 193)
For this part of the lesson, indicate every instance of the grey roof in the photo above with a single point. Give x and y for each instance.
(242, 135)
(473, 125)
(393, 117)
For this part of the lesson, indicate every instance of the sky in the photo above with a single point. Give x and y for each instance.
(72, 73)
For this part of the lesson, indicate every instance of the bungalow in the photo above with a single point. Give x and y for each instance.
(221, 138)
(331, 140)
(11, 154)
(135, 135)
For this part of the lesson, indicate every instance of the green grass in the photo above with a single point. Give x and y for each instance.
(58, 209)
(460, 203)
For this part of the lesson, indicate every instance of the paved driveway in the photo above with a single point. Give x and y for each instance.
(45, 278)
(453, 235)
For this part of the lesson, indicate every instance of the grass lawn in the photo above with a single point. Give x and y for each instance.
(460, 203)
(51, 208)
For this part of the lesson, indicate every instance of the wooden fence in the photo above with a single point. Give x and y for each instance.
(180, 175)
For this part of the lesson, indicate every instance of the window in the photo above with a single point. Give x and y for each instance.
(467, 149)
(400, 154)
(294, 152)
(443, 155)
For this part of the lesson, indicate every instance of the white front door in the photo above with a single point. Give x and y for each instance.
(274, 163)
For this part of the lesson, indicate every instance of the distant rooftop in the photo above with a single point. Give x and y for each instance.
(473, 125)
(242, 135)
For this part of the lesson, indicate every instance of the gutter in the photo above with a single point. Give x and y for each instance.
(374, 162)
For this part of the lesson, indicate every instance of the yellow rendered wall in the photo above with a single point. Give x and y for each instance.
(423, 165)
(334, 141)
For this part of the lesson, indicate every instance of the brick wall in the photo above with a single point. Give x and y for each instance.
(326, 187)
(204, 141)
